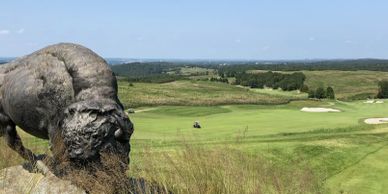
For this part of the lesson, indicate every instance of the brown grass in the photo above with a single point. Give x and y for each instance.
(195, 93)
(196, 169)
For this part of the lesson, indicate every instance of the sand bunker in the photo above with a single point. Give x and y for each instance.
(144, 110)
(375, 121)
(306, 109)
(373, 102)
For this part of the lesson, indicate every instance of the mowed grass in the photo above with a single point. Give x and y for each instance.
(226, 121)
(190, 92)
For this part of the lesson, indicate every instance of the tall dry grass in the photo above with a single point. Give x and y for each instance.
(197, 169)
(187, 168)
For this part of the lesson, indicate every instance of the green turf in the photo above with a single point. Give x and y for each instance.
(260, 120)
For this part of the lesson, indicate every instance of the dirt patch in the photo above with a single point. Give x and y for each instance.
(375, 121)
(318, 109)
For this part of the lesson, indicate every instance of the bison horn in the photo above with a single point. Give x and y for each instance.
(118, 133)
(124, 126)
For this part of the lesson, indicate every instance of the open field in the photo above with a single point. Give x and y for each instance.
(347, 84)
(196, 70)
(342, 152)
(193, 93)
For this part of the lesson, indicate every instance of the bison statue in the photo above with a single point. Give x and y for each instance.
(64, 91)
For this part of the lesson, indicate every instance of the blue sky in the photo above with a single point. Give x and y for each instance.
(200, 29)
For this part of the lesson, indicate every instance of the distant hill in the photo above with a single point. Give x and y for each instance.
(343, 65)
(6, 59)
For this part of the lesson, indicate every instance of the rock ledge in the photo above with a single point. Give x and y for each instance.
(17, 179)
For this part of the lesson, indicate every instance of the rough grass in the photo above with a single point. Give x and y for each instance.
(348, 85)
(196, 93)
(187, 169)
(221, 169)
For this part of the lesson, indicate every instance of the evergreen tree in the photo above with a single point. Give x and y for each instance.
(383, 89)
(330, 93)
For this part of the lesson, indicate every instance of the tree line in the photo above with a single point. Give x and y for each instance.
(343, 65)
(139, 70)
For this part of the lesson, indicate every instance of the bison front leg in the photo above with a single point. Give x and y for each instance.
(13, 140)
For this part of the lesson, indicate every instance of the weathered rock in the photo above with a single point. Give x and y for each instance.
(17, 179)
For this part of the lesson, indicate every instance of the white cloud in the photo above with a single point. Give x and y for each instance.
(20, 31)
(349, 42)
(4, 32)
(312, 38)
(265, 48)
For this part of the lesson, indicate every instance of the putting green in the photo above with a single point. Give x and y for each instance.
(225, 121)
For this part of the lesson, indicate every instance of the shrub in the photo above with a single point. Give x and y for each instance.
(320, 93)
(304, 88)
(311, 94)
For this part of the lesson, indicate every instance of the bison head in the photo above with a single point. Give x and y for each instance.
(90, 128)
